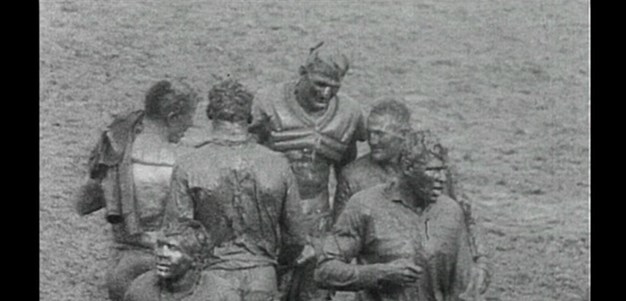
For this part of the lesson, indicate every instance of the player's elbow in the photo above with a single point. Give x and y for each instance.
(320, 275)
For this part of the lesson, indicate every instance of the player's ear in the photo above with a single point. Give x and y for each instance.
(171, 118)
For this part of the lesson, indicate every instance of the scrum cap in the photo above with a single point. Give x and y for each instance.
(327, 62)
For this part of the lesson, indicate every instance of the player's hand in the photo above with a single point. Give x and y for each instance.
(307, 254)
(481, 278)
(478, 284)
(400, 272)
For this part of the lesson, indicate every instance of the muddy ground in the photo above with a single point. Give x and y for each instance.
(505, 83)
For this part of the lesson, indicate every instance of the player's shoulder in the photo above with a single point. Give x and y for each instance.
(189, 157)
(368, 198)
(361, 164)
(141, 288)
(447, 201)
(350, 112)
(125, 119)
(348, 104)
(447, 205)
(275, 159)
(200, 158)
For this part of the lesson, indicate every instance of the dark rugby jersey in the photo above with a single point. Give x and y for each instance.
(248, 199)
(379, 226)
(311, 144)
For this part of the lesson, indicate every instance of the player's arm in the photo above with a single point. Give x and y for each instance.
(343, 192)
(360, 134)
(260, 124)
(292, 215)
(349, 235)
(180, 203)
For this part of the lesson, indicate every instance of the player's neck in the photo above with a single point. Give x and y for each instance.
(391, 166)
(183, 284)
(230, 129)
(411, 194)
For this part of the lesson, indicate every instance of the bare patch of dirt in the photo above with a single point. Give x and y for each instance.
(505, 83)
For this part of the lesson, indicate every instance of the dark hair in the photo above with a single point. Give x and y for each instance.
(394, 108)
(195, 239)
(166, 97)
(420, 146)
(229, 101)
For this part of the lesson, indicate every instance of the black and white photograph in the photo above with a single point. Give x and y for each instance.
(292, 150)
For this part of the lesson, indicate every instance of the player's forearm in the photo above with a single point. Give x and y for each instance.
(342, 195)
(336, 274)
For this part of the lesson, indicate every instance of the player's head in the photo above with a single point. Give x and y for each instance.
(321, 75)
(181, 246)
(230, 101)
(387, 125)
(423, 162)
(172, 104)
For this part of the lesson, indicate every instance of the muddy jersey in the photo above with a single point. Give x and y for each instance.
(152, 162)
(246, 197)
(378, 225)
(135, 187)
(365, 173)
(360, 174)
(312, 144)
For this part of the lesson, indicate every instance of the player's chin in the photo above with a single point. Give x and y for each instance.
(379, 154)
(436, 192)
(320, 104)
(163, 270)
(321, 101)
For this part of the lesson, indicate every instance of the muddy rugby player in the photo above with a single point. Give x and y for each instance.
(180, 253)
(410, 240)
(244, 194)
(129, 174)
(317, 128)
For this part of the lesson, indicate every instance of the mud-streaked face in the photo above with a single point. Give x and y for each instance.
(385, 139)
(429, 177)
(436, 171)
(321, 90)
(172, 261)
(178, 124)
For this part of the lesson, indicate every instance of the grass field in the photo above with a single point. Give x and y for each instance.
(504, 83)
